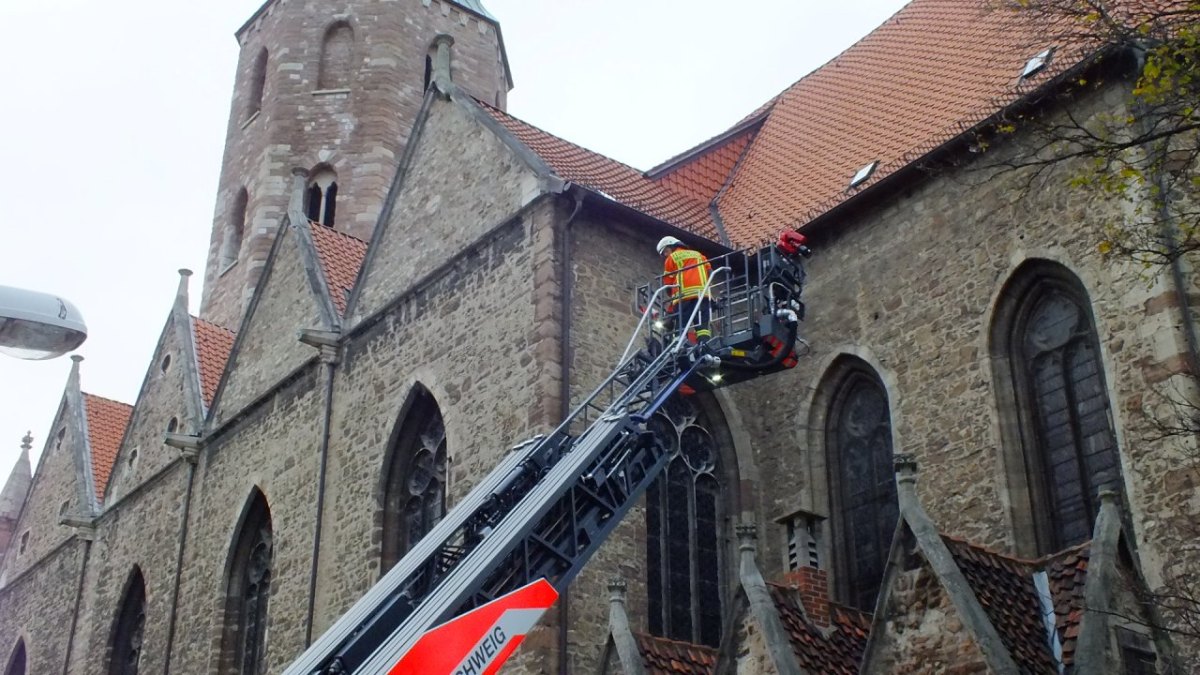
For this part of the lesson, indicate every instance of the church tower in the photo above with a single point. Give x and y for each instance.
(333, 87)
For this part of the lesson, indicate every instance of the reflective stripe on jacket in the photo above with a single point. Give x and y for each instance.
(687, 269)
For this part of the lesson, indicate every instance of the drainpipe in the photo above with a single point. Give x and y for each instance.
(329, 357)
(181, 543)
(87, 552)
(1168, 232)
(564, 394)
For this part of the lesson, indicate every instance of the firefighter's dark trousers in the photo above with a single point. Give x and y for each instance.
(683, 312)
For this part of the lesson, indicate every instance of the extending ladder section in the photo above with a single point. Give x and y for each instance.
(540, 514)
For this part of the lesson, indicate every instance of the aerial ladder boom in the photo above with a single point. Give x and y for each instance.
(552, 500)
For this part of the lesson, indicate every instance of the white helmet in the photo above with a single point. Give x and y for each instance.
(668, 241)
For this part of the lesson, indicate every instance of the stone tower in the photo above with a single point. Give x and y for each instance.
(332, 87)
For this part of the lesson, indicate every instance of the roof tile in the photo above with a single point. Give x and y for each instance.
(837, 650)
(213, 346)
(620, 182)
(935, 69)
(1005, 588)
(341, 257)
(671, 657)
(106, 423)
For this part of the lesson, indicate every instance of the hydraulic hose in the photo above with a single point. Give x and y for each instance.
(775, 360)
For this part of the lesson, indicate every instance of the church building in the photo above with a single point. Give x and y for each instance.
(404, 281)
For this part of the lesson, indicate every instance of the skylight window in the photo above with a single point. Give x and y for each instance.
(1038, 62)
(863, 174)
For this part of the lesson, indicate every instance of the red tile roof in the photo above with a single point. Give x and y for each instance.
(931, 72)
(670, 657)
(834, 651)
(1004, 586)
(935, 69)
(701, 177)
(620, 182)
(213, 345)
(1067, 572)
(341, 256)
(106, 422)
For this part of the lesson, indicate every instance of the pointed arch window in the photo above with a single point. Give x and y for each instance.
(415, 492)
(231, 245)
(686, 516)
(337, 56)
(128, 633)
(249, 590)
(321, 199)
(17, 662)
(1046, 344)
(258, 84)
(864, 506)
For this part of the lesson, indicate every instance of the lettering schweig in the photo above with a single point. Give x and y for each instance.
(482, 655)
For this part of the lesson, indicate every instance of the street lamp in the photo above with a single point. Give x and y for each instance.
(38, 326)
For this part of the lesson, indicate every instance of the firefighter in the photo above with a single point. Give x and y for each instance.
(688, 270)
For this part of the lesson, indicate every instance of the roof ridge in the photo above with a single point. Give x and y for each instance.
(212, 324)
(330, 230)
(556, 136)
(106, 399)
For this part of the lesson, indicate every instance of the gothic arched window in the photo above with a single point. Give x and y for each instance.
(249, 589)
(1058, 401)
(17, 662)
(337, 56)
(414, 496)
(126, 654)
(231, 245)
(258, 84)
(321, 199)
(864, 508)
(685, 528)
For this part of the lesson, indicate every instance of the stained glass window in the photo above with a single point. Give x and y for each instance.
(250, 577)
(684, 517)
(415, 495)
(865, 510)
(130, 629)
(1064, 403)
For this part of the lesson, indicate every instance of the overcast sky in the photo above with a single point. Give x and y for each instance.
(114, 120)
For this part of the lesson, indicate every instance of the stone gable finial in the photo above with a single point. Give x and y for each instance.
(617, 589)
(906, 468)
(27, 441)
(747, 535)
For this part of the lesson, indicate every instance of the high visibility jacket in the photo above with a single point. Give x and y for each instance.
(688, 270)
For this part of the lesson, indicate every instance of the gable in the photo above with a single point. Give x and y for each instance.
(165, 404)
(61, 486)
(919, 629)
(266, 349)
(458, 181)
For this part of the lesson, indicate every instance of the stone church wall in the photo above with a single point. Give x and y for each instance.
(273, 448)
(153, 513)
(464, 337)
(38, 607)
(910, 287)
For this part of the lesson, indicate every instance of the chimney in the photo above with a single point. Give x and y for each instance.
(806, 575)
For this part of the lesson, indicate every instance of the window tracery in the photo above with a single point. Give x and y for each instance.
(684, 528)
(415, 493)
(322, 197)
(1063, 408)
(130, 628)
(250, 576)
(863, 487)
